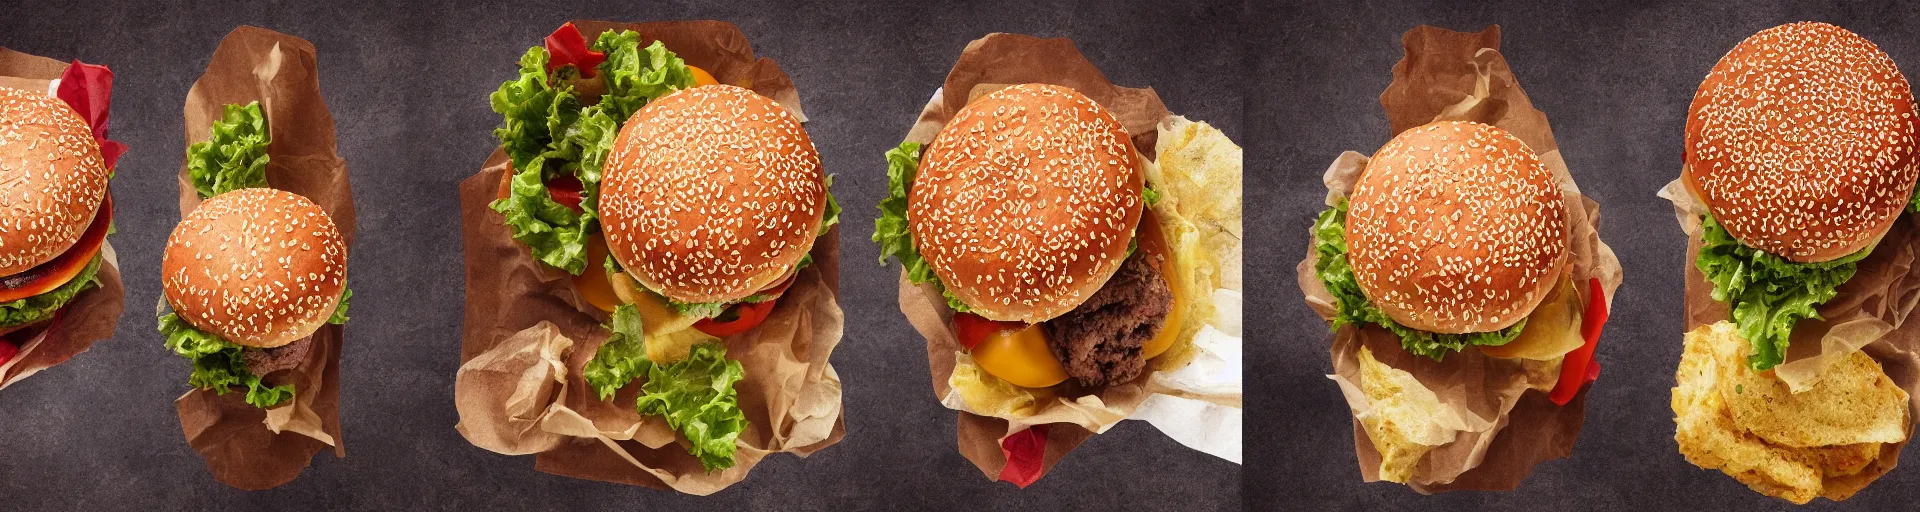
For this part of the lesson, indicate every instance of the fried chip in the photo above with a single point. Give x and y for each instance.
(1712, 368)
(1400, 419)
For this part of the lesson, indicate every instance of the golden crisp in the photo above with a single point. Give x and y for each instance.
(1711, 437)
(1400, 421)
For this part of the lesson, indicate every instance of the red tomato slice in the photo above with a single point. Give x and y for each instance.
(746, 317)
(52, 274)
(566, 191)
(1579, 368)
(568, 48)
(971, 329)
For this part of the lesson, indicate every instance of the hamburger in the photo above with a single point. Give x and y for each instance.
(58, 212)
(1029, 211)
(249, 276)
(712, 200)
(560, 117)
(1800, 148)
(1455, 239)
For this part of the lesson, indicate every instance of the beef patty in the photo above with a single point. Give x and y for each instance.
(262, 361)
(1100, 341)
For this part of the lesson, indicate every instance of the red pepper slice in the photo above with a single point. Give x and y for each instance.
(568, 48)
(566, 191)
(746, 317)
(89, 90)
(1579, 367)
(971, 329)
(1026, 452)
(7, 351)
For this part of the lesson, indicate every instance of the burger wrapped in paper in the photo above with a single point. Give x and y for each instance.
(1799, 367)
(60, 286)
(1060, 274)
(1464, 277)
(650, 263)
(254, 289)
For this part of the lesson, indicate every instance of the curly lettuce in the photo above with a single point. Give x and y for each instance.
(622, 358)
(890, 229)
(548, 132)
(235, 157)
(1333, 269)
(219, 365)
(1769, 294)
(340, 312)
(697, 397)
(42, 306)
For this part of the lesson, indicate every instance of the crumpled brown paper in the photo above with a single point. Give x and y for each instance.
(1869, 314)
(528, 333)
(988, 63)
(1447, 75)
(244, 446)
(92, 315)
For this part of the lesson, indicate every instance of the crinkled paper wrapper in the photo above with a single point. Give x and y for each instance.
(244, 446)
(1206, 419)
(1503, 430)
(92, 316)
(529, 333)
(1869, 314)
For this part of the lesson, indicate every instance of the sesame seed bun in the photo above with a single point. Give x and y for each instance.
(711, 194)
(1456, 228)
(258, 267)
(1026, 202)
(52, 178)
(1801, 142)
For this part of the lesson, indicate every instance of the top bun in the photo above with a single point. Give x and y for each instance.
(711, 194)
(1455, 228)
(258, 267)
(52, 178)
(1026, 202)
(1801, 142)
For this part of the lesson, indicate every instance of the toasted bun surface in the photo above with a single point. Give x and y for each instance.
(1026, 202)
(711, 194)
(52, 178)
(259, 267)
(1456, 228)
(1801, 142)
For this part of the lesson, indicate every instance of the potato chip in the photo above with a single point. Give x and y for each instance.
(1400, 419)
(1710, 437)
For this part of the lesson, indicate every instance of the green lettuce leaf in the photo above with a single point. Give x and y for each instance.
(235, 157)
(698, 309)
(549, 133)
(622, 358)
(890, 228)
(1333, 269)
(635, 76)
(698, 399)
(1769, 294)
(340, 312)
(218, 364)
(39, 307)
(1150, 195)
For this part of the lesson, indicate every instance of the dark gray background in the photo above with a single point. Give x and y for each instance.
(1615, 79)
(408, 87)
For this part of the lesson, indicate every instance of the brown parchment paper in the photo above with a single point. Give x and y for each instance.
(1507, 425)
(1869, 314)
(92, 315)
(528, 333)
(244, 446)
(989, 63)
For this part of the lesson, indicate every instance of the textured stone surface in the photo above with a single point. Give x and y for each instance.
(1615, 79)
(408, 86)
